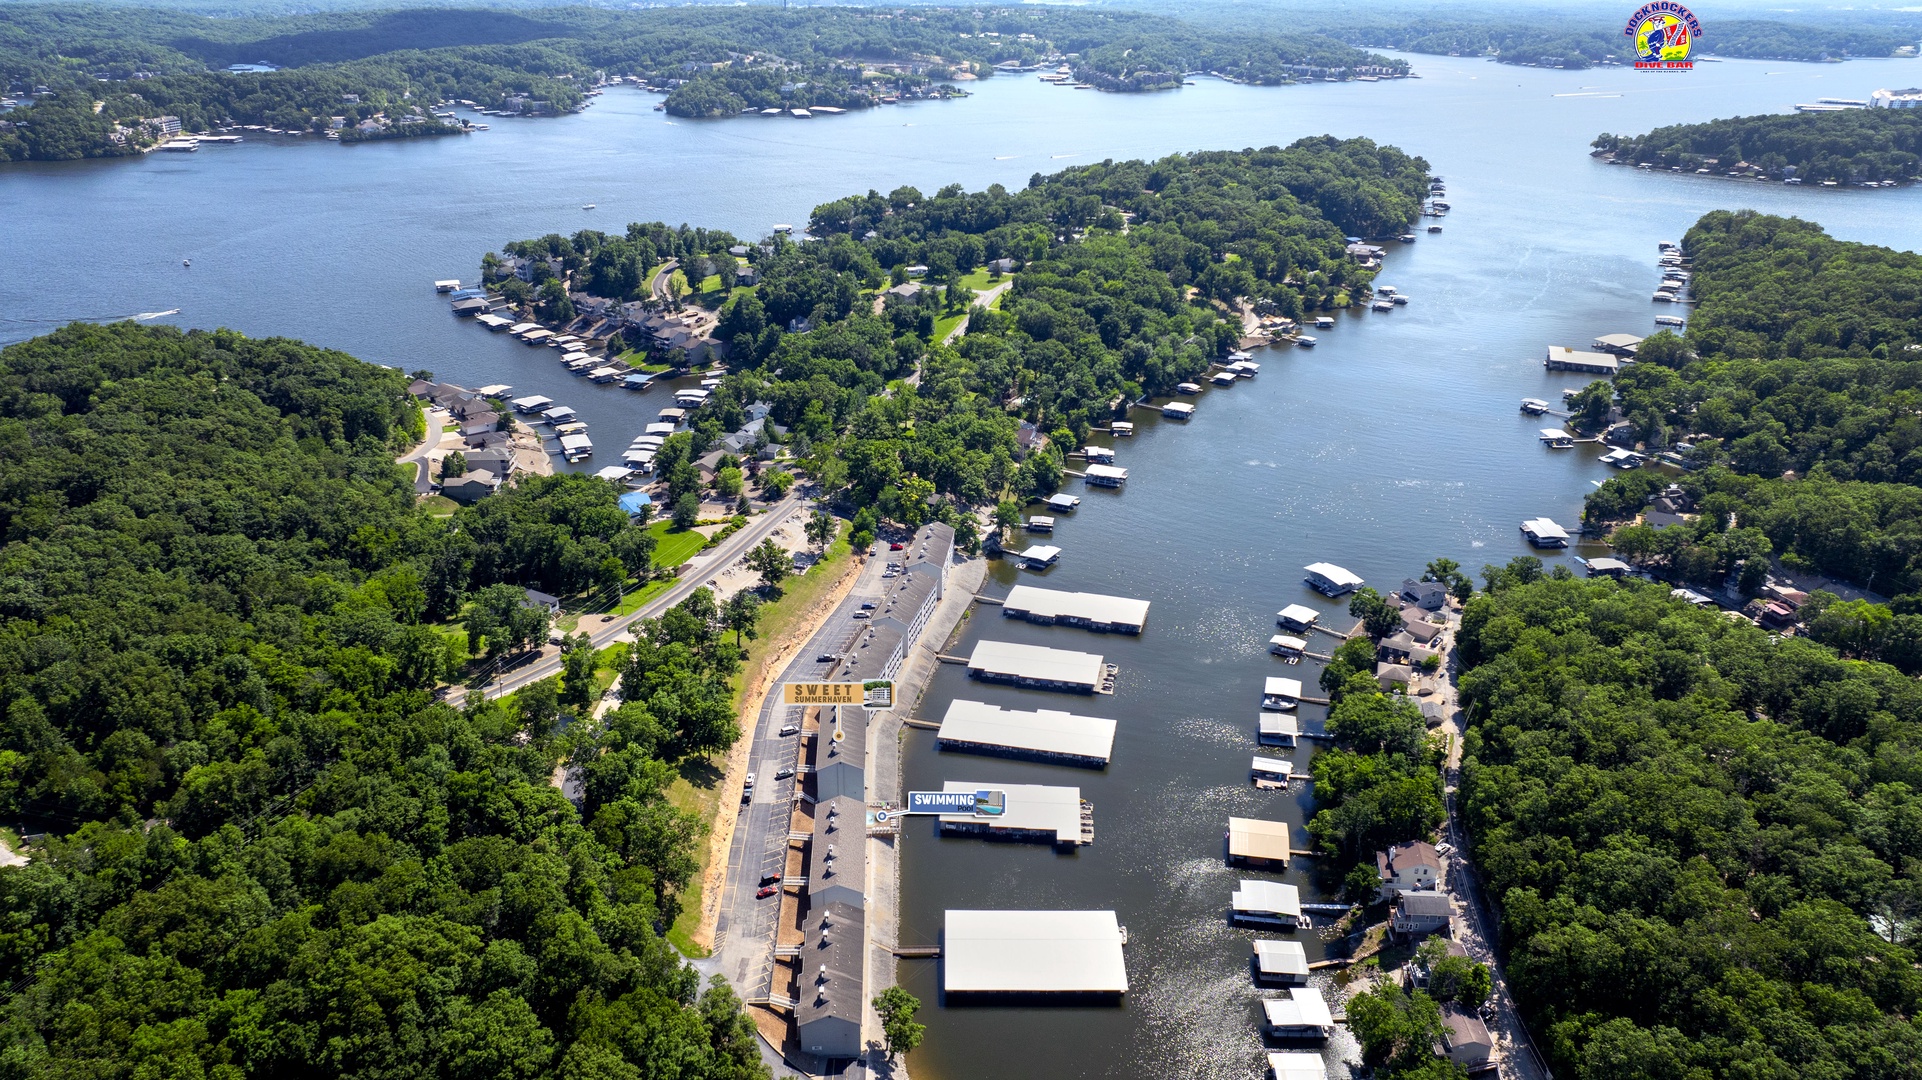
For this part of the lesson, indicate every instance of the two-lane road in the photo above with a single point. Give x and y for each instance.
(602, 633)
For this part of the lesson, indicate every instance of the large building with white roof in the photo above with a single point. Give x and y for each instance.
(1044, 734)
(1091, 611)
(1033, 952)
(1048, 815)
(1036, 666)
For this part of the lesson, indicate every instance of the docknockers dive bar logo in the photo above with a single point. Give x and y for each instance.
(1664, 34)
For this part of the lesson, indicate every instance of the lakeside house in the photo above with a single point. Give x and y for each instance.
(1427, 595)
(1414, 866)
(471, 486)
(1465, 1039)
(1420, 913)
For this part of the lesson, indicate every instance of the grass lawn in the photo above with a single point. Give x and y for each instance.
(670, 549)
(439, 506)
(674, 548)
(698, 788)
(945, 325)
(981, 281)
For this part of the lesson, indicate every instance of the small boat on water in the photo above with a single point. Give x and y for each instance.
(1399, 299)
(1434, 228)
(186, 262)
(587, 206)
(1305, 341)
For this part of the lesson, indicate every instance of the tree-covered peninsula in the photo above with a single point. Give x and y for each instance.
(909, 399)
(1702, 840)
(272, 850)
(1844, 147)
(1798, 392)
(101, 78)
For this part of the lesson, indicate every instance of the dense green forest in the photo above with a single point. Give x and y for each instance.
(1857, 144)
(1702, 840)
(274, 852)
(1125, 273)
(142, 63)
(1797, 387)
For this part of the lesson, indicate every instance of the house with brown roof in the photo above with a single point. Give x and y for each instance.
(1465, 1040)
(1409, 867)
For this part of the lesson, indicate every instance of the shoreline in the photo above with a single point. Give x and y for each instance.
(965, 579)
(772, 666)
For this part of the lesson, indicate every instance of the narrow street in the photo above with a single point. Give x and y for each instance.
(601, 634)
(1479, 929)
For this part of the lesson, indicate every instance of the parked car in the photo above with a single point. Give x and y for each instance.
(896, 547)
(767, 891)
(827, 658)
(749, 782)
(784, 772)
(867, 607)
(770, 879)
(791, 729)
(862, 615)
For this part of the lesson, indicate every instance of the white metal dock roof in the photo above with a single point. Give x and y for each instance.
(1297, 1065)
(1334, 575)
(1286, 644)
(1269, 766)
(1040, 553)
(1303, 1007)
(1035, 662)
(1281, 957)
(1544, 529)
(1280, 724)
(1268, 898)
(1297, 615)
(1063, 501)
(1033, 952)
(1253, 838)
(1094, 607)
(1030, 807)
(1106, 472)
(1044, 730)
(1282, 687)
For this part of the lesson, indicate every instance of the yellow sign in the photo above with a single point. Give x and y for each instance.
(874, 694)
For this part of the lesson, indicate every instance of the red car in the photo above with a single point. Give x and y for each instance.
(767, 891)
(896, 547)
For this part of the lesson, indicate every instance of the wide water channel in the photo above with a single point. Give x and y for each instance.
(1397, 440)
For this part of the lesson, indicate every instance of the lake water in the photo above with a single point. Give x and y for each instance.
(1396, 441)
